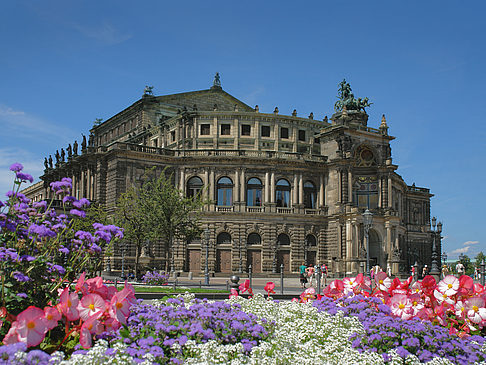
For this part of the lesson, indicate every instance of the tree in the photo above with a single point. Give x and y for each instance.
(158, 210)
(480, 257)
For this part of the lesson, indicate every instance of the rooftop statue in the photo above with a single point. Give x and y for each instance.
(217, 80)
(347, 99)
(148, 90)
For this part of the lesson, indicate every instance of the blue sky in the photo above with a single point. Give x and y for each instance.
(65, 63)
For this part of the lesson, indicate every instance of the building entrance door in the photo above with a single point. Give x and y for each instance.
(194, 261)
(283, 257)
(223, 261)
(311, 257)
(255, 259)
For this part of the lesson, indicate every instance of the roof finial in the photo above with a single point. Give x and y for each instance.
(383, 126)
(216, 82)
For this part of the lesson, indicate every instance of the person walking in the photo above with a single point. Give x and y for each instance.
(303, 277)
(460, 269)
(310, 274)
(323, 274)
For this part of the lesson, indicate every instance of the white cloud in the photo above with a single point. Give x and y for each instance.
(26, 126)
(460, 250)
(104, 33)
(468, 243)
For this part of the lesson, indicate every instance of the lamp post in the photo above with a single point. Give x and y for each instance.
(275, 249)
(206, 268)
(444, 258)
(435, 272)
(367, 223)
(240, 269)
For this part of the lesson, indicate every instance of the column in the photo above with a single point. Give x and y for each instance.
(242, 185)
(350, 186)
(349, 240)
(294, 139)
(256, 134)
(321, 191)
(301, 189)
(236, 188)
(388, 237)
(390, 200)
(182, 182)
(236, 134)
(295, 191)
(211, 185)
(339, 181)
(206, 183)
(272, 188)
(88, 183)
(356, 240)
(380, 195)
(267, 187)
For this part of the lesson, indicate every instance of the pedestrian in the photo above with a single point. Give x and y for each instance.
(460, 269)
(372, 273)
(425, 271)
(310, 274)
(388, 270)
(445, 271)
(476, 273)
(303, 278)
(323, 274)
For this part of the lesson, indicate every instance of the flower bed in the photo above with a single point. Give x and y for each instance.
(155, 278)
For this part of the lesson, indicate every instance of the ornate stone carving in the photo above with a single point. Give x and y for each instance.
(347, 100)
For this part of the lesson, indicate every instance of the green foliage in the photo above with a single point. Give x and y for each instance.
(158, 210)
(480, 257)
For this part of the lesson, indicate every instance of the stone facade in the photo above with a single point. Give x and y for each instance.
(283, 189)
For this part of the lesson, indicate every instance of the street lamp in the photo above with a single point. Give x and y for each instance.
(240, 269)
(206, 268)
(435, 255)
(306, 245)
(367, 222)
(444, 258)
(275, 250)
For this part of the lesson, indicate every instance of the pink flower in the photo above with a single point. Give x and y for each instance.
(350, 284)
(246, 287)
(90, 327)
(307, 295)
(31, 326)
(80, 285)
(68, 305)
(383, 281)
(449, 285)
(401, 306)
(91, 304)
(417, 303)
(96, 285)
(460, 309)
(443, 297)
(234, 293)
(475, 310)
(52, 317)
(269, 288)
(120, 306)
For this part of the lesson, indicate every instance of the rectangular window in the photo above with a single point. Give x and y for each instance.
(301, 135)
(265, 131)
(245, 130)
(172, 136)
(225, 129)
(205, 130)
(284, 133)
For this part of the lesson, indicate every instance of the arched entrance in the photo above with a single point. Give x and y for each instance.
(377, 255)
(254, 253)
(223, 253)
(283, 252)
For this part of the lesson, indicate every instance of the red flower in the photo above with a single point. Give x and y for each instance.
(269, 288)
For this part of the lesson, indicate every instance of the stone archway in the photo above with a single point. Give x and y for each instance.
(377, 254)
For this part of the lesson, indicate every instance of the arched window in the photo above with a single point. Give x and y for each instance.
(254, 193)
(254, 239)
(283, 193)
(283, 239)
(194, 186)
(225, 192)
(223, 238)
(366, 192)
(310, 195)
(310, 240)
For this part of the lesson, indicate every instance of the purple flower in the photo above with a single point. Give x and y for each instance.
(78, 213)
(40, 205)
(58, 268)
(20, 276)
(81, 203)
(16, 167)
(22, 295)
(41, 231)
(24, 177)
(95, 248)
(27, 258)
(68, 199)
(64, 250)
